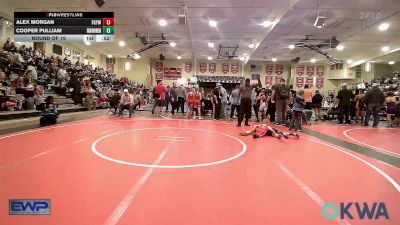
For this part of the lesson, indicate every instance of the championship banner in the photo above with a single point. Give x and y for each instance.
(320, 71)
(159, 76)
(234, 68)
(269, 69)
(310, 70)
(299, 82)
(278, 69)
(212, 67)
(255, 76)
(159, 66)
(166, 72)
(203, 67)
(320, 82)
(225, 68)
(278, 79)
(310, 81)
(172, 73)
(110, 68)
(300, 70)
(269, 80)
(188, 67)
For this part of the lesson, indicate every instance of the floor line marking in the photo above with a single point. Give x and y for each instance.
(40, 154)
(374, 147)
(174, 137)
(390, 179)
(306, 189)
(166, 139)
(127, 200)
(106, 131)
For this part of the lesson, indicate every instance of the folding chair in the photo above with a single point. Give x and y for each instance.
(113, 104)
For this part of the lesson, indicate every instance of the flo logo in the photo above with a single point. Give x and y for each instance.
(362, 210)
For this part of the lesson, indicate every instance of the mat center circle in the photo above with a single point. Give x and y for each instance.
(160, 139)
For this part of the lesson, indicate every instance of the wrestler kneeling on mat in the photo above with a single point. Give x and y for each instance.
(263, 129)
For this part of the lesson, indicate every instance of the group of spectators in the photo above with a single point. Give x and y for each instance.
(282, 105)
(25, 74)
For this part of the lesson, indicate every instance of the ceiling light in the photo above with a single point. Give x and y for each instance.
(252, 45)
(266, 23)
(162, 22)
(179, 57)
(121, 43)
(209, 58)
(136, 56)
(274, 59)
(349, 61)
(340, 47)
(212, 23)
(313, 60)
(109, 56)
(292, 46)
(172, 44)
(383, 26)
(385, 49)
(391, 62)
(210, 44)
(87, 43)
(242, 58)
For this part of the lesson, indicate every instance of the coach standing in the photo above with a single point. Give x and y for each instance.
(281, 96)
(245, 91)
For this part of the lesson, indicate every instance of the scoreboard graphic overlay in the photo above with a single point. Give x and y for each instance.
(64, 26)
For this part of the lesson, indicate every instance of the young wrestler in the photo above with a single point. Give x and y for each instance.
(263, 129)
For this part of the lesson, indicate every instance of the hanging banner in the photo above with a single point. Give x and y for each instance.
(166, 72)
(225, 67)
(278, 69)
(320, 82)
(203, 67)
(212, 67)
(278, 79)
(159, 76)
(269, 80)
(300, 70)
(269, 69)
(234, 68)
(310, 70)
(255, 76)
(172, 73)
(188, 67)
(299, 82)
(320, 71)
(310, 81)
(110, 68)
(159, 66)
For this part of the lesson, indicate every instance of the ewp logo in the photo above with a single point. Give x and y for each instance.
(29, 207)
(376, 211)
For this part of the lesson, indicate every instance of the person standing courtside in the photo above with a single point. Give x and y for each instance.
(235, 101)
(181, 93)
(374, 99)
(308, 96)
(245, 91)
(344, 96)
(281, 97)
(217, 103)
(160, 102)
(167, 97)
(224, 99)
(173, 99)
